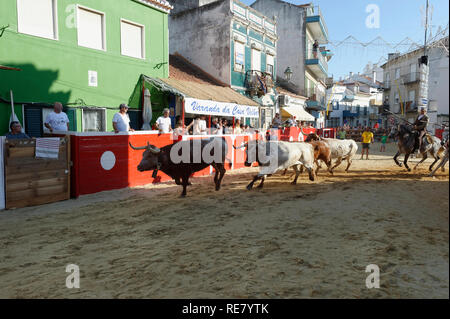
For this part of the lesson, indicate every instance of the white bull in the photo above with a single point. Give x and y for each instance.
(274, 156)
(340, 149)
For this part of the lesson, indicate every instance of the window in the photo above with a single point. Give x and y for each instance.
(239, 56)
(94, 120)
(91, 29)
(397, 73)
(270, 64)
(132, 39)
(412, 96)
(38, 18)
(413, 72)
(256, 60)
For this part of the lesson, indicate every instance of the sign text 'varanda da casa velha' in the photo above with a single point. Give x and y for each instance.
(205, 107)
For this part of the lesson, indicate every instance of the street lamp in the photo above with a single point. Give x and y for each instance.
(288, 73)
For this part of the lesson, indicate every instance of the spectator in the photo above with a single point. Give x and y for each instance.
(180, 130)
(367, 139)
(237, 127)
(276, 122)
(121, 120)
(216, 127)
(384, 139)
(224, 126)
(16, 131)
(290, 122)
(315, 48)
(200, 126)
(164, 123)
(57, 120)
(342, 134)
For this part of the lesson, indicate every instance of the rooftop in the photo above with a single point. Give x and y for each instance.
(192, 81)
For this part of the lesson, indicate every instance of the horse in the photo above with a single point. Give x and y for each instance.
(407, 139)
(443, 161)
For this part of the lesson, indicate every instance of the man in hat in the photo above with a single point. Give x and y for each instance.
(121, 120)
(164, 123)
(420, 125)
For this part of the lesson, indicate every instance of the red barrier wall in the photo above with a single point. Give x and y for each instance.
(105, 161)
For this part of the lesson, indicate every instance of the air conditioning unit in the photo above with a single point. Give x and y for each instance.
(284, 99)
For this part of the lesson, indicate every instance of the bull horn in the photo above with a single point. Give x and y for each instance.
(153, 149)
(137, 148)
(303, 132)
(243, 145)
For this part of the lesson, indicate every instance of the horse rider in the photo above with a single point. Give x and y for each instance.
(420, 125)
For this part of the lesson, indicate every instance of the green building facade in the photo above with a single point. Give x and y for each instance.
(88, 54)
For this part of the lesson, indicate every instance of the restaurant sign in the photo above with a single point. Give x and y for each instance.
(205, 107)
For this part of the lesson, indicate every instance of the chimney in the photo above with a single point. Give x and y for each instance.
(351, 74)
(374, 76)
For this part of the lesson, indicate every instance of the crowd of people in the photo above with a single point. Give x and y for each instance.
(290, 122)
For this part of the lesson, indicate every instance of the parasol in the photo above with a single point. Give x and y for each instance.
(147, 111)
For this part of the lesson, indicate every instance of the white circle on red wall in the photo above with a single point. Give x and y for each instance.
(108, 160)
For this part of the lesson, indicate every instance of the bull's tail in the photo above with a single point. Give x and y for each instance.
(440, 152)
(353, 150)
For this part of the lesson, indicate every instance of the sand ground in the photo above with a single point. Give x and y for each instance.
(312, 240)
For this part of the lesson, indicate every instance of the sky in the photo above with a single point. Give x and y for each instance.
(397, 20)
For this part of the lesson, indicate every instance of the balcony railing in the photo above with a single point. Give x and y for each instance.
(316, 57)
(313, 11)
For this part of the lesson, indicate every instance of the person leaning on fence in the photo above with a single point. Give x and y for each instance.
(164, 123)
(121, 120)
(57, 120)
(16, 132)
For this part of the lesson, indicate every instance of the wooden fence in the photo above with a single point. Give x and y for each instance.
(32, 181)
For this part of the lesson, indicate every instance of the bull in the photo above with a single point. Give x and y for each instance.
(273, 156)
(340, 149)
(182, 159)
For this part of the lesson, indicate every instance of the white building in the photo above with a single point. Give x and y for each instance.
(403, 82)
(355, 101)
(298, 27)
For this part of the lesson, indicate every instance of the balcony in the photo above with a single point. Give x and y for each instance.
(258, 83)
(315, 101)
(316, 23)
(410, 107)
(317, 63)
(410, 77)
(350, 113)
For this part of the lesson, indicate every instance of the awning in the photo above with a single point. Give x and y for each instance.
(208, 99)
(298, 112)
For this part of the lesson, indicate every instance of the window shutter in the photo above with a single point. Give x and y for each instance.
(90, 29)
(131, 40)
(33, 121)
(36, 17)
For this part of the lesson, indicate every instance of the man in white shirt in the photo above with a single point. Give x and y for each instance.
(121, 120)
(200, 126)
(57, 120)
(164, 123)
